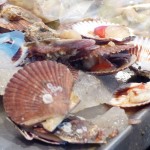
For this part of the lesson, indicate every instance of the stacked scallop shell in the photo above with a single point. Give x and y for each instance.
(39, 97)
(110, 55)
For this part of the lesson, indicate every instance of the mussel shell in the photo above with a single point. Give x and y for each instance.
(39, 91)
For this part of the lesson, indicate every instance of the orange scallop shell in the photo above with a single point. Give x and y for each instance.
(39, 91)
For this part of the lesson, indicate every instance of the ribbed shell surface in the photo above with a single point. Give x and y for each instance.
(37, 92)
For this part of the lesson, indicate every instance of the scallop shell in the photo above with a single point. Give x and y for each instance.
(131, 95)
(38, 133)
(73, 129)
(88, 62)
(11, 44)
(19, 25)
(76, 129)
(39, 91)
(86, 29)
(13, 13)
(142, 51)
(115, 70)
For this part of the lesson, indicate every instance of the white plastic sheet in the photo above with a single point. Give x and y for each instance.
(63, 10)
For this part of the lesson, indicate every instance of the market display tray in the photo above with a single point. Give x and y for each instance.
(134, 137)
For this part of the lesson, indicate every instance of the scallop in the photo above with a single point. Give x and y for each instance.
(39, 91)
(103, 31)
(142, 51)
(131, 95)
(75, 129)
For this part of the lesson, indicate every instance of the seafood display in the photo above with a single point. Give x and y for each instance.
(49, 77)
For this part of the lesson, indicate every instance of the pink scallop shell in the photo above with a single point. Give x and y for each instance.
(39, 91)
(142, 49)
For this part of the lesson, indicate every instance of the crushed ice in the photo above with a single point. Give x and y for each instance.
(115, 119)
(91, 92)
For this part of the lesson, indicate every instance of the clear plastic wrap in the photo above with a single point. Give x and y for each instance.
(63, 10)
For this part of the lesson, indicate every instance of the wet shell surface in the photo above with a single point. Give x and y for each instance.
(38, 133)
(76, 129)
(131, 95)
(101, 30)
(39, 91)
(99, 69)
(73, 129)
(142, 51)
(108, 64)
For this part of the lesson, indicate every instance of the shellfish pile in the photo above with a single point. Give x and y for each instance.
(42, 97)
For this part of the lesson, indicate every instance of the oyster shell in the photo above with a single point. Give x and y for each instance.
(131, 95)
(103, 31)
(39, 91)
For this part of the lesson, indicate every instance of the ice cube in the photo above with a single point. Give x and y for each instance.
(5, 60)
(115, 119)
(91, 91)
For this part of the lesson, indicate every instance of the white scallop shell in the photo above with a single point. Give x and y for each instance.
(86, 28)
(123, 99)
(142, 51)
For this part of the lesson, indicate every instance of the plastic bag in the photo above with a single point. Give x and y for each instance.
(63, 10)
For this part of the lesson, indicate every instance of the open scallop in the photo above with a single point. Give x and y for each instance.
(103, 32)
(131, 95)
